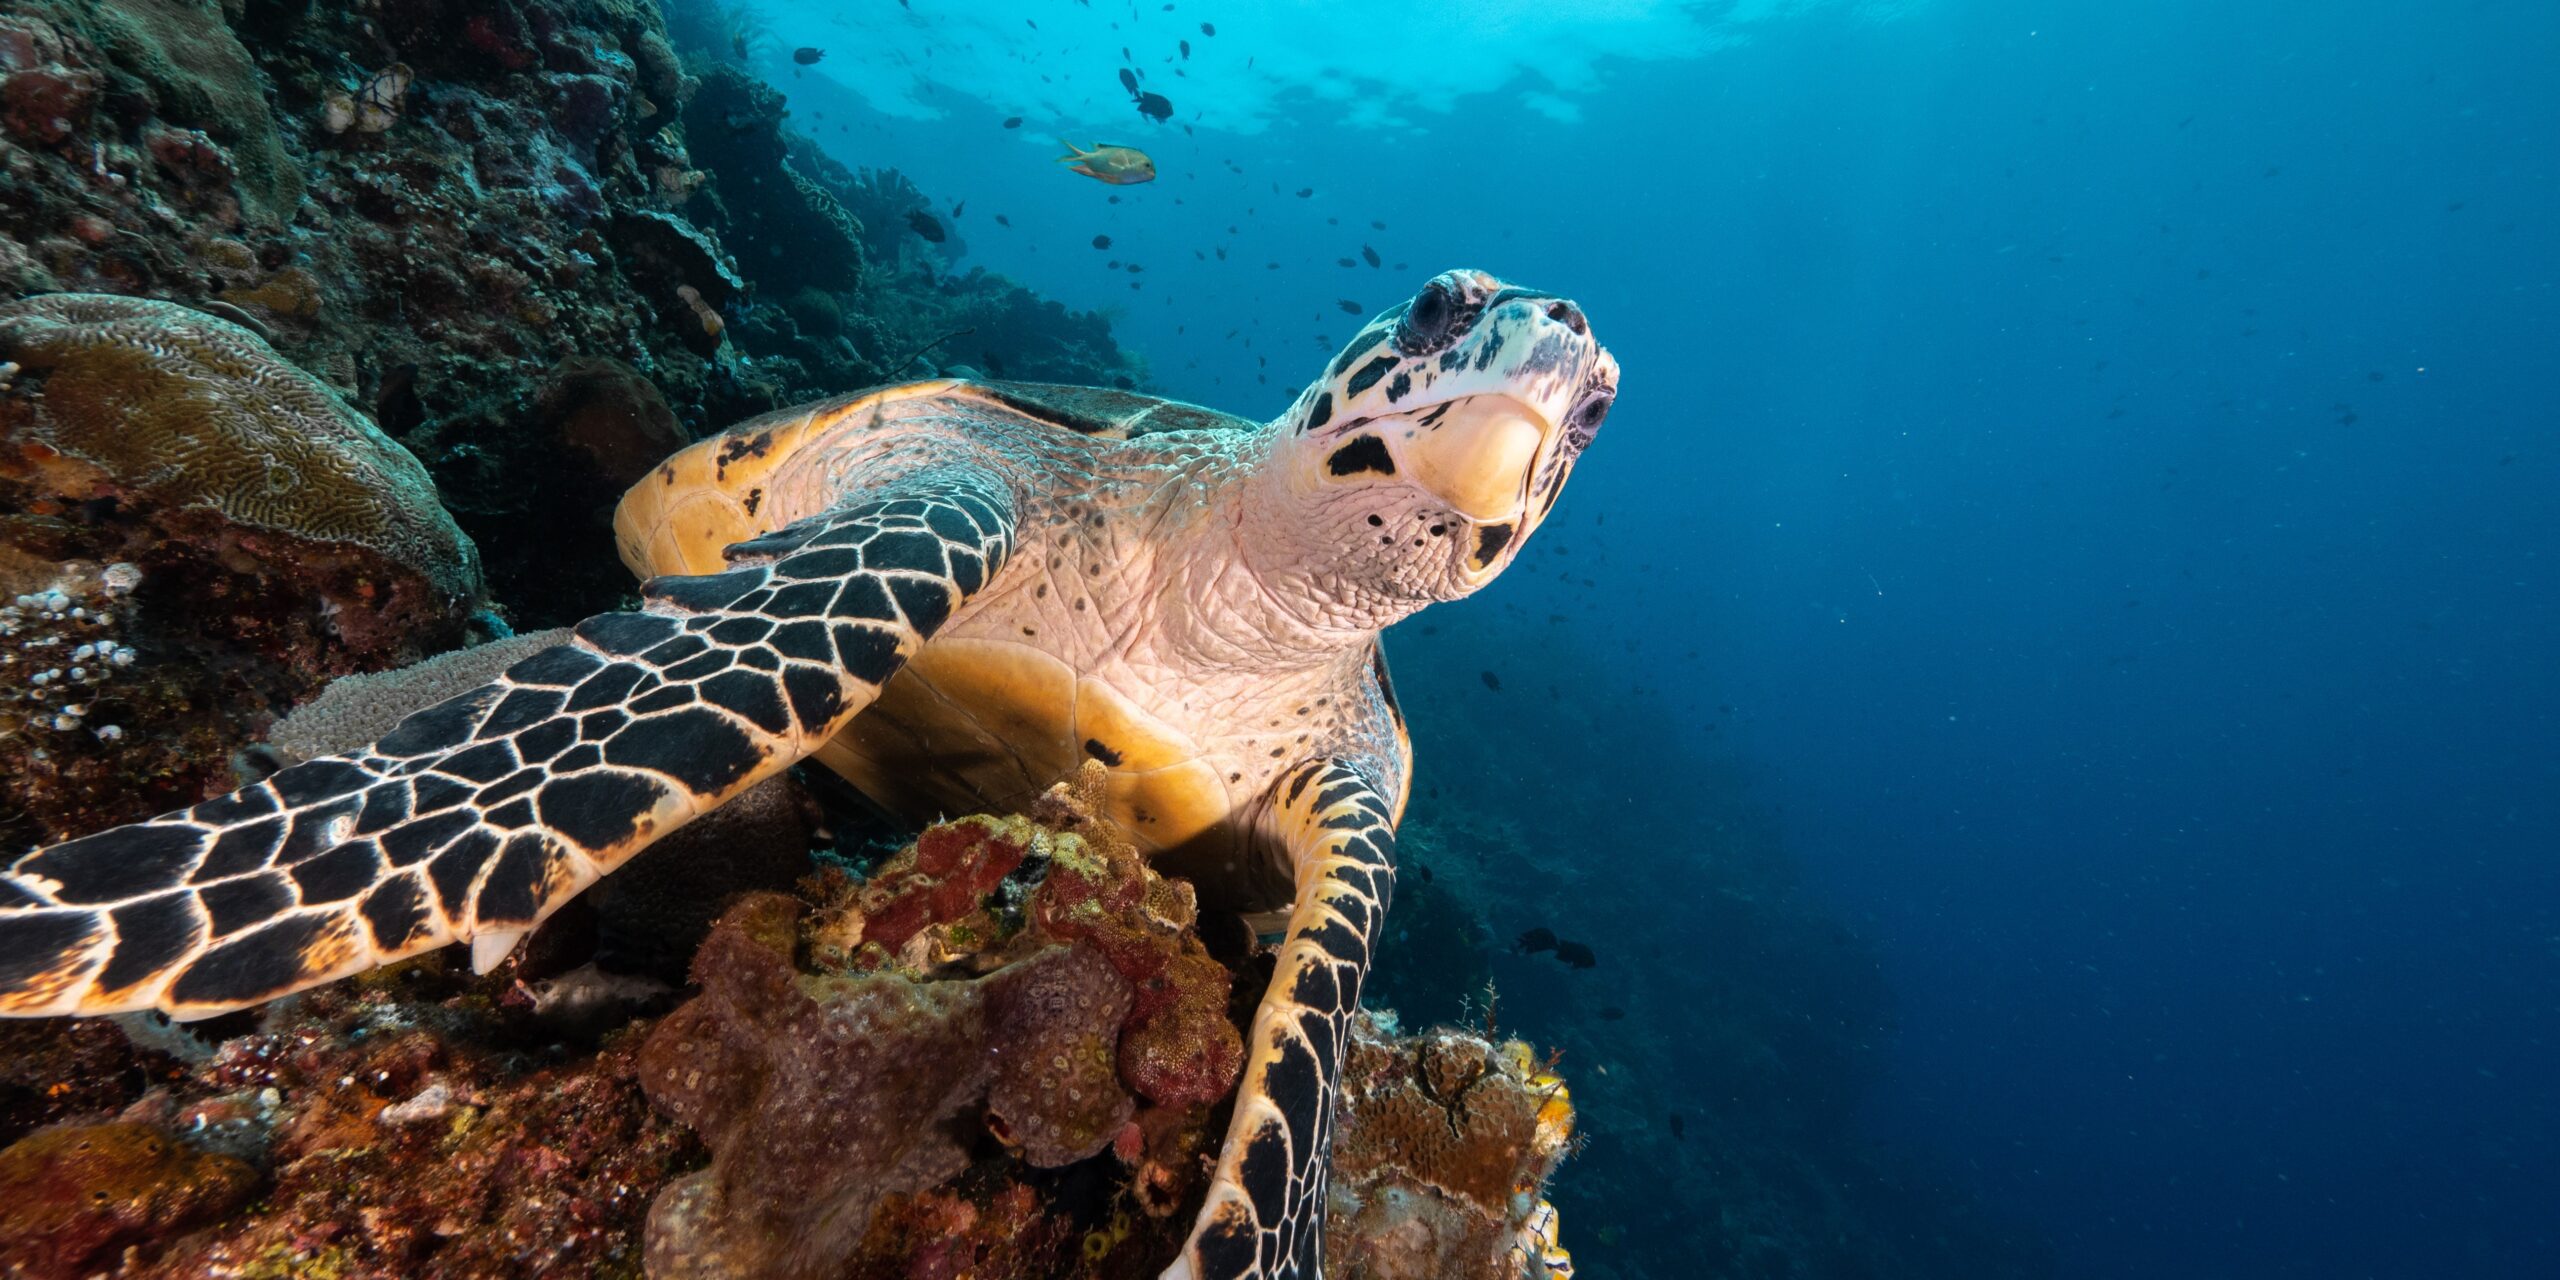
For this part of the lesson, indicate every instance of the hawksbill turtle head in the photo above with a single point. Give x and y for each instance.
(1436, 442)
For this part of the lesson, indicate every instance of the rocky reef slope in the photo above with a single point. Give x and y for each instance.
(328, 336)
(532, 240)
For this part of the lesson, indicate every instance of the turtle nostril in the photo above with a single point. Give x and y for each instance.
(1568, 315)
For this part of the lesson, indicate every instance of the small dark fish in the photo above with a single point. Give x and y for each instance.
(955, 209)
(1612, 1013)
(1003, 221)
(807, 56)
(1492, 681)
(1304, 192)
(1129, 80)
(924, 225)
(1426, 872)
(738, 45)
(1369, 256)
(1186, 49)
(1537, 940)
(1013, 122)
(1344, 262)
(1375, 225)
(1679, 1127)
(993, 364)
(1353, 308)
(1208, 28)
(1102, 242)
(1155, 106)
(1575, 954)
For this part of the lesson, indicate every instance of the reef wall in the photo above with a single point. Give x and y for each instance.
(534, 241)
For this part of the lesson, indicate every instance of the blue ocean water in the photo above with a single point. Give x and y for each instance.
(2079, 526)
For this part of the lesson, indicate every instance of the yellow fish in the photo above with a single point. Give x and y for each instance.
(1117, 165)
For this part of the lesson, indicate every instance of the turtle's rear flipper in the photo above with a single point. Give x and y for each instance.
(1264, 1218)
(483, 813)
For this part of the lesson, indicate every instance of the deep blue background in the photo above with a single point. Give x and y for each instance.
(2106, 455)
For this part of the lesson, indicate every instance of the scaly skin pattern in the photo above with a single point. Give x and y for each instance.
(1265, 1212)
(482, 814)
(953, 593)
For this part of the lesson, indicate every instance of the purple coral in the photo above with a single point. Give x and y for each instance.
(1057, 1027)
(821, 1096)
(816, 1099)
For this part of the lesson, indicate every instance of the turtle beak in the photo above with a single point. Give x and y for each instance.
(1477, 459)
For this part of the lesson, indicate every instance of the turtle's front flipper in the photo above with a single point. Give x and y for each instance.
(481, 814)
(1264, 1218)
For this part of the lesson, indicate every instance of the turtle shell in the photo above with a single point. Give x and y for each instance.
(707, 496)
(1100, 411)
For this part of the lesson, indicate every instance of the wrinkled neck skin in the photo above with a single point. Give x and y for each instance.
(1292, 573)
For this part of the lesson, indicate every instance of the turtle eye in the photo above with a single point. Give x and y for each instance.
(1584, 422)
(1425, 325)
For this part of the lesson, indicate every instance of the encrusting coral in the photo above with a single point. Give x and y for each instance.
(72, 1198)
(821, 1096)
(823, 1093)
(1446, 1145)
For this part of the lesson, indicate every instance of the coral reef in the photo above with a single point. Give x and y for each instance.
(72, 1198)
(373, 264)
(820, 1096)
(155, 407)
(1053, 917)
(411, 1138)
(194, 534)
(915, 1075)
(454, 213)
(1031, 980)
(1447, 1142)
(786, 230)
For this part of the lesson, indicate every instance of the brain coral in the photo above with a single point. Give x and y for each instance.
(184, 410)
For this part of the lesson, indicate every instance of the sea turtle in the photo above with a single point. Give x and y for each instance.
(955, 592)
